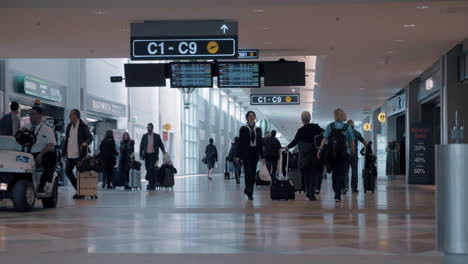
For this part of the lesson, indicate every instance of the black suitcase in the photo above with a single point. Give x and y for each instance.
(370, 177)
(117, 178)
(168, 180)
(227, 176)
(283, 189)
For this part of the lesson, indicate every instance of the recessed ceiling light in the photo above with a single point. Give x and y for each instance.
(399, 40)
(99, 12)
(259, 10)
(124, 30)
(362, 89)
(267, 42)
(266, 28)
(389, 52)
(423, 7)
(409, 25)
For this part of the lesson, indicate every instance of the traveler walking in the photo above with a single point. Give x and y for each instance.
(232, 158)
(272, 153)
(44, 148)
(77, 139)
(249, 150)
(149, 152)
(10, 123)
(211, 156)
(309, 164)
(267, 135)
(353, 161)
(126, 155)
(108, 153)
(340, 139)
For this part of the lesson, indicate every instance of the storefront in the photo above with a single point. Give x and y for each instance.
(102, 115)
(396, 131)
(425, 132)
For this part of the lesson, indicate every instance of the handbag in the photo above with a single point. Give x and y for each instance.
(204, 160)
(264, 174)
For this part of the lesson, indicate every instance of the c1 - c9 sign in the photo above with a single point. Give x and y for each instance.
(149, 48)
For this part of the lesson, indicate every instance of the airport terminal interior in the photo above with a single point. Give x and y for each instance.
(260, 131)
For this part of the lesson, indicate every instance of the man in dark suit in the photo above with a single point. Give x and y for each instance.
(10, 123)
(75, 147)
(149, 152)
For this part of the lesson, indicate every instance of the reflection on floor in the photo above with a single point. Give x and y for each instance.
(202, 217)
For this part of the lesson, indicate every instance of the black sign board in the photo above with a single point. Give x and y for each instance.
(153, 48)
(238, 74)
(275, 99)
(248, 54)
(421, 158)
(191, 75)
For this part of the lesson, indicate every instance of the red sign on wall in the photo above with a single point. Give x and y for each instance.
(165, 136)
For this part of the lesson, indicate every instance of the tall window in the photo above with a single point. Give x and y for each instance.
(190, 136)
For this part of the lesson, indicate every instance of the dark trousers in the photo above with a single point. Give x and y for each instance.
(310, 176)
(272, 166)
(150, 161)
(71, 163)
(48, 164)
(353, 165)
(237, 169)
(250, 170)
(125, 172)
(107, 173)
(339, 170)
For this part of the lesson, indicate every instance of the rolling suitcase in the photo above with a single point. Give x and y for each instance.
(168, 181)
(135, 179)
(87, 182)
(370, 177)
(282, 188)
(117, 178)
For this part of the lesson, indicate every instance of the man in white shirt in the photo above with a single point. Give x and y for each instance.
(43, 149)
(77, 139)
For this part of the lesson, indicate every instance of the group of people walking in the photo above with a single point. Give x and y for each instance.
(333, 147)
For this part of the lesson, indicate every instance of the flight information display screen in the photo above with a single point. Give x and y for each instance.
(238, 74)
(191, 75)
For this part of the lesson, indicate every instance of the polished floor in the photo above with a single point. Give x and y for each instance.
(208, 222)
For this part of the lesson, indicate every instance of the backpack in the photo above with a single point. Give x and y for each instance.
(337, 142)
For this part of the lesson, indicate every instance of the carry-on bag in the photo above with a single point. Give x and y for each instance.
(117, 178)
(227, 176)
(135, 179)
(168, 181)
(282, 188)
(87, 182)
(370, 178)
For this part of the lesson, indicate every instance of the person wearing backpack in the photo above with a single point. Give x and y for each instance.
(211, 155)
(272, 152)
(339, 138)
(308, 162)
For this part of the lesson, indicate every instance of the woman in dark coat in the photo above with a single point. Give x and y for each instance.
(108, 154)
(211, 155)
(250, 150)
(127, 148)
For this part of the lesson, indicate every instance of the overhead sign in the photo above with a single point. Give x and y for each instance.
(40, 88)
(101, 105)
(382, 117)
(381, 156)
(197, 39)
(396, 105)
(167, 126)
(248, 54)
(275, 99)
(367, 127)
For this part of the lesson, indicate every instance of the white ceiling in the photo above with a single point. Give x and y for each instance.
(361, 60)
